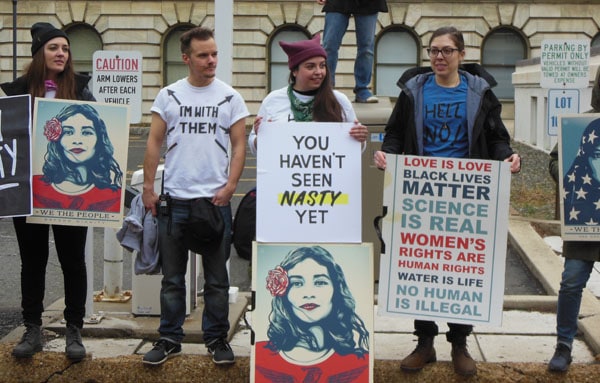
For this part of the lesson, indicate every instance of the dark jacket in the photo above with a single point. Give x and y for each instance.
(584, 250)
(488, 137)
(20, 86)
(355, 7)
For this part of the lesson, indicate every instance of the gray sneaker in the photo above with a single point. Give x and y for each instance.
(31, 342)
(162, 350)
(221, 351)
(74, 346)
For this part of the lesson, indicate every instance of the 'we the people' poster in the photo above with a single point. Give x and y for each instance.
(313, 317)
(445, 237)
(15, 156)
(579, 177)
(79, 162)
(309, 183)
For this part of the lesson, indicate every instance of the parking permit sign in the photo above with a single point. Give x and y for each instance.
(565, 64)
(560, 102)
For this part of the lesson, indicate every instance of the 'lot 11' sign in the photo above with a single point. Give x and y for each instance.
(561, 102)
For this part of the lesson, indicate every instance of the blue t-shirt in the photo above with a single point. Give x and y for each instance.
(445, 120)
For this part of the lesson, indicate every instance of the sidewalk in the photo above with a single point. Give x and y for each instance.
(516, 351)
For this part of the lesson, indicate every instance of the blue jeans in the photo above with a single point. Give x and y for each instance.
(335, 28)
(174, 258)
(574, 278)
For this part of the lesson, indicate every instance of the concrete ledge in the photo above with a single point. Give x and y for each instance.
(542, 303)
(119, 322)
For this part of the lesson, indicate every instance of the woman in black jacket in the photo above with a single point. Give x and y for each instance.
(448, 110)
(50, 75)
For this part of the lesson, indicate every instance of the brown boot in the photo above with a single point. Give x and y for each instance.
(424, 353)
(462, 361)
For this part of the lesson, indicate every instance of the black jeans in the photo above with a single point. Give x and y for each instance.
(457, 333)
(34, 249)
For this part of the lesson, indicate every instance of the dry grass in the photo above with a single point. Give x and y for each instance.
(533, 191)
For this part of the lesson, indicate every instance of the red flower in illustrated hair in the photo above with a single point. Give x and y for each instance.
(53, 129)
(277, 281)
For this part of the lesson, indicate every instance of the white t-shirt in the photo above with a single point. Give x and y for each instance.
(198, 121)
(277, 107)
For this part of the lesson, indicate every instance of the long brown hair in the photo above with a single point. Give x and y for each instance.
(326, 107)
(36, 72)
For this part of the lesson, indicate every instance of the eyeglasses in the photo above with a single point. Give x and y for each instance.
(446, 51)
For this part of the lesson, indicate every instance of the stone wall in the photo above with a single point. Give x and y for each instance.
(141, 25)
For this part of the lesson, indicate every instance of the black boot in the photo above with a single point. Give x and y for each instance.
(424, 353)
(30, 343)
(74, 346)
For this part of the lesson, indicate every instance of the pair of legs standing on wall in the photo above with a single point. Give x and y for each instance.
(335, 28)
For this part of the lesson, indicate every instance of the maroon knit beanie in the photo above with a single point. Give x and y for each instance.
(299, 51)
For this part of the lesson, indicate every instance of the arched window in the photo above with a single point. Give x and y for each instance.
(174, 68)
(396, 51)
(84, 41)
(278, 61)
(501, 50)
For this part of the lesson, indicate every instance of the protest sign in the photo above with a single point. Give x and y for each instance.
(15, 156)
(313, 315)
(79, 162)
(579, 176)
(445, 235)
(308, 183)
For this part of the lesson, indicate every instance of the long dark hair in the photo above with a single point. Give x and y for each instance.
(103, 170)
(286, 331)
(36, 72)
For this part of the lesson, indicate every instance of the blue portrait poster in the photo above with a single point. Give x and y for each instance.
(579, 153)
(79, 159)
(313, 314)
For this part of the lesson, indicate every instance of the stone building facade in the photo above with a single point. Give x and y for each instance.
(147, 25)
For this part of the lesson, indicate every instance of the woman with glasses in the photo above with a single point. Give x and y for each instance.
(446, 110)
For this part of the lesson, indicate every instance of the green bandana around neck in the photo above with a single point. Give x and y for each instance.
(302, 110)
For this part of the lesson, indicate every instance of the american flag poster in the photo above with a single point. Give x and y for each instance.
(579, 164)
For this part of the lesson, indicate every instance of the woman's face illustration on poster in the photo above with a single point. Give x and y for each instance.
(79, 138)
(594, 161)
(311, 291)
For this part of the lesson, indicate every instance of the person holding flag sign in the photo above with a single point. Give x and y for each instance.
(446, 110)
(580, 256)
(51, 75)
(309, 95)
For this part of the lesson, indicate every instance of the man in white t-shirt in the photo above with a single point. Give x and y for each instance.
(200, 116)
